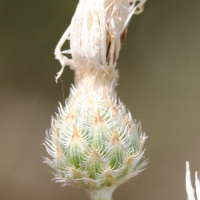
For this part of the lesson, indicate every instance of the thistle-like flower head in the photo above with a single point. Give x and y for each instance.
(93, 142)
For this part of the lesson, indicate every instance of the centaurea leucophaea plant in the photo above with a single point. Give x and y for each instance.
(189, 188)
(93, 141)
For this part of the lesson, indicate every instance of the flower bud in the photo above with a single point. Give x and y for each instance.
(99, 146)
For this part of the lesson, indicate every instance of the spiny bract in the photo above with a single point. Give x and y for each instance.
(93, 142)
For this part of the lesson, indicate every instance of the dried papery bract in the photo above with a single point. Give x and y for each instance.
(96, 33)
(93, 142)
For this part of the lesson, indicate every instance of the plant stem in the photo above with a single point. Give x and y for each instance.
(102, 194)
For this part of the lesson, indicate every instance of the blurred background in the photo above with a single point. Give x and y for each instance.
(159, 68)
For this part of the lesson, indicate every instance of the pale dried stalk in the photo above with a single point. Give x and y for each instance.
(189, 188)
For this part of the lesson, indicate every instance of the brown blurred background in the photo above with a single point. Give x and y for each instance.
(159, 82)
